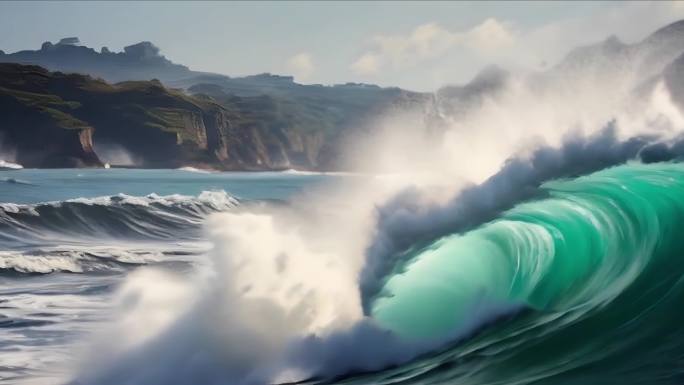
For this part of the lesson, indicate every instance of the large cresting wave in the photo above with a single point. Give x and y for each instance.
(595, 269)
(517, 235)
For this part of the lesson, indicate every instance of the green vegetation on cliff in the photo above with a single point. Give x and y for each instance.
(53, 119)
(159, 126)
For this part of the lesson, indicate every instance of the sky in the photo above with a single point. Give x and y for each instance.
(414, 45)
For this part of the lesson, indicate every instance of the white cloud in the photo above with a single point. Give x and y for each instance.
(490, 36)
(368, 64)
(432, 55)
(429, 41)
(301, 65)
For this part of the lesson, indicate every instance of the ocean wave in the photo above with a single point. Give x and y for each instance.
(566, 281)
(595, 265)
(119, 216)
(15, 181)
(40, 264)
(194, 169)
(291, 171)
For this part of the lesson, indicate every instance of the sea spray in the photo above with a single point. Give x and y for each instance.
(580, 247)
(324, 264)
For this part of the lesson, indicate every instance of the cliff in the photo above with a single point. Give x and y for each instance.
(52, 119)
(302, 126)
(262, 121)
(57, 120)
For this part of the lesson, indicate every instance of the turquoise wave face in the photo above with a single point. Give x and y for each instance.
(575, 252)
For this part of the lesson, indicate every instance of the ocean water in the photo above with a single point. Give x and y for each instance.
(582, 284)
(34, 186)
(591, 276)
(68, 238)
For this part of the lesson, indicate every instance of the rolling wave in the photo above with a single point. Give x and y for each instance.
(119, 216)
(595, 268)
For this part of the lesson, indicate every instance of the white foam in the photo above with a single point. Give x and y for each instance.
(5, 165)
(218, 199)
(43, 264)
(194, 169)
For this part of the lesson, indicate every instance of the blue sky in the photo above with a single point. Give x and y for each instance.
(419, 46)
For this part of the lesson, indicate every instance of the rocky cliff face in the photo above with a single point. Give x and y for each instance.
(55, 120)
(255, 122)
(34, 129)
(276, 122)
(52, 119)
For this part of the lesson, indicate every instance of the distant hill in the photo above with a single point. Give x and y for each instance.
(52, 119)
(296, 125)
(648, 56)
(140, 61)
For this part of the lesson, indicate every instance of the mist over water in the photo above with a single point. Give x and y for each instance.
(115, 154)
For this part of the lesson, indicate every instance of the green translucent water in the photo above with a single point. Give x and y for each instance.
(580, 248)
(598, 269)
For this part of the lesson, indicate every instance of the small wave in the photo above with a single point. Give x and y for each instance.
(149, 217)
(291, 171)
(10, 323)
(5, 165)
(39, 264)
(194, 169)
(15, 181)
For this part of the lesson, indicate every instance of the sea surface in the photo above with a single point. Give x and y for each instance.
(580, 284)
(68, 238)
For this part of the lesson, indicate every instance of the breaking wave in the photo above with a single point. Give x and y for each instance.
(119, 216)
(596, 266)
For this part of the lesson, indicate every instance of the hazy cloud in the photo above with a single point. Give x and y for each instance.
(429, 41)
(368, 64)
(489, 36)
(301, 65)
(433, 54)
